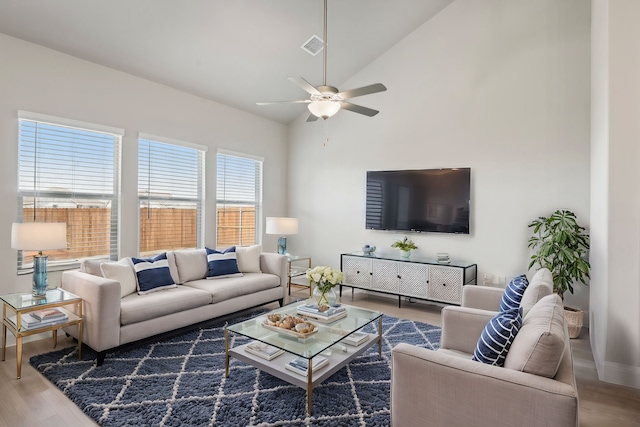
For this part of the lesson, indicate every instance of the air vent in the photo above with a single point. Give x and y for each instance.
(313, 45)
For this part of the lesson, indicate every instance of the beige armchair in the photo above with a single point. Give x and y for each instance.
(447, 388)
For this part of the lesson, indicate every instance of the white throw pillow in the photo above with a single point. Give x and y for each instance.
(191, 264)
(122, 271)
(249, 258)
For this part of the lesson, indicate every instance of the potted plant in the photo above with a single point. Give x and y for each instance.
(405, 246)
(561, 245)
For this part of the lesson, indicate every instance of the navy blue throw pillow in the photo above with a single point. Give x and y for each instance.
(222, 264)
(513, 293)
(495, 341)
(153, 273)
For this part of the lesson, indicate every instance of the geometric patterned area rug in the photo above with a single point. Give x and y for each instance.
(180, 381)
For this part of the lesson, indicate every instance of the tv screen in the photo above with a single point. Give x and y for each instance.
(419, 200)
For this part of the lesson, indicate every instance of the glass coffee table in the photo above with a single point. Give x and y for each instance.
(327, 342)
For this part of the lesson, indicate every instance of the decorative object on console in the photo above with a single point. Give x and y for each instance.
(368, 249)
(39, 236)
(324, 279)
(561, 245)
(282, 226)
(405, 246)
(443, 258)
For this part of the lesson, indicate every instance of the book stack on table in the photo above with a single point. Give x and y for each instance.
(40, 319)
(263, 350)
(300, 365)
(328, 315)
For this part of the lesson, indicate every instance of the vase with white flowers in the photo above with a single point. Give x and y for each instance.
(324, 279)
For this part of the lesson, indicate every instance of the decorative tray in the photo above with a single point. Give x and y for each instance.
(302, 325)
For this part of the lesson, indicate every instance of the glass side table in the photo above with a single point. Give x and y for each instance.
(14, 306)
(296, 270)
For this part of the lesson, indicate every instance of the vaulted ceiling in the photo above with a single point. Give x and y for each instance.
(236, 52)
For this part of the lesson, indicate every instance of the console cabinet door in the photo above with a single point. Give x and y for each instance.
(445, 284)
(357, 271)
(413, 279)
(385, 276)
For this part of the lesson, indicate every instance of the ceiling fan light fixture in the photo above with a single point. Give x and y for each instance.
(324, 109)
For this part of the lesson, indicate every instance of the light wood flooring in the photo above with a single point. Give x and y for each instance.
(33, 401)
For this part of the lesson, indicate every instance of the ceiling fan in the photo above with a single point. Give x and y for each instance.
(325, 101)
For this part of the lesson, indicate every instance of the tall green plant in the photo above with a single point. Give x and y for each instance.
(561, 245)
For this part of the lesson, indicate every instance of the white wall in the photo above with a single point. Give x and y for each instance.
(615, 296)
(498, 86)
(41, 80)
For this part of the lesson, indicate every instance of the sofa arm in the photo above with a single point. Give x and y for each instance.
(430, 387)
(462, 326)
(101, 309)
(483, 297)
(273, 263)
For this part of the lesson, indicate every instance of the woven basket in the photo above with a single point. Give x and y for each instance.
(574, 318)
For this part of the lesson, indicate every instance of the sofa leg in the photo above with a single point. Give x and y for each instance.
(281, 302)
(100, 359)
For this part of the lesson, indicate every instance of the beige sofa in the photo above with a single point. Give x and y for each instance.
(536, 387)
(115, 315)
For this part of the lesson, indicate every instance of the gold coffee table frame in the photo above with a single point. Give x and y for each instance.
(326, 342)
(22, 303)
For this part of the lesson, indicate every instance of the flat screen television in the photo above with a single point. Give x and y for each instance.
(435, 200)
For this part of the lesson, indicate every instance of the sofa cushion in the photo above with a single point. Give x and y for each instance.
(191, 264)
(232, 287)
(540, 343)
(223, 264)
(540, 286)
(513, 293)
(496, 338)
(153, 273)
(121, 271)
(92, 266)
(136, 308)
(249, 258)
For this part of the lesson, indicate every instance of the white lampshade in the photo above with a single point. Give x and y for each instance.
(39, 236)
(324, 109)
(282, 226)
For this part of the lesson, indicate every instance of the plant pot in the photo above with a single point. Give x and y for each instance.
(575, 318)
(405, 254)
(328, 298)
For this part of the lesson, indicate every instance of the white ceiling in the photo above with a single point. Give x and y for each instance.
(237, 52)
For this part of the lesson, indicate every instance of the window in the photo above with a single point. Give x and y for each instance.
(239, 199)
(170, 194)
(69, 171)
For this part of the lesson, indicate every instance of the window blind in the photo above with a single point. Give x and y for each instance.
(171, 195)
(69, 174)
(239, 200)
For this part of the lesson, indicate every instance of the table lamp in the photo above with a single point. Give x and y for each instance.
(39, 236)
(282, 227)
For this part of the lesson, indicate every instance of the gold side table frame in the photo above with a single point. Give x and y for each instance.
(23, 303)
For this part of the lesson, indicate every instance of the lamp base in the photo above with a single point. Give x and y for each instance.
(282, 245)
(39, 286)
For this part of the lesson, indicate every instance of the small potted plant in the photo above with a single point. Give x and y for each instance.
(561, 245)
(405, 246)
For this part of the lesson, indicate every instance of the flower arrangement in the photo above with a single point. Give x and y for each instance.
(404, 245)
(324, 278)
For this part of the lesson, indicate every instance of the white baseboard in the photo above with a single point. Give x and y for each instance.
(620, 374)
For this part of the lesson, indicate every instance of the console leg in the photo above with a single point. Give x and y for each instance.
(281, 302)
(340, 291)
(100, 359)
(399, 301)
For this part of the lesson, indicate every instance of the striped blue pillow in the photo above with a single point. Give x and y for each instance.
(153, 273)
(495, 341)
(222, 264)
(513, 293)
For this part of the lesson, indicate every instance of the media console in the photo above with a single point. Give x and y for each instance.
(424, 279)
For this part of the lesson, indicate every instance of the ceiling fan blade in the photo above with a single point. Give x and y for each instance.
(305, 85)
(312, 118)
(359, 109)
(300, 101)
(364, 90)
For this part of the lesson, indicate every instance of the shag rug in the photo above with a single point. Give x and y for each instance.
(180, 381)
